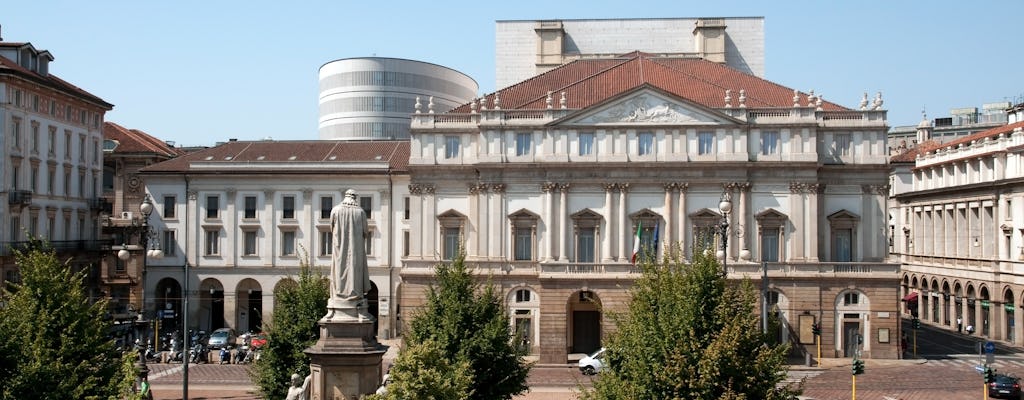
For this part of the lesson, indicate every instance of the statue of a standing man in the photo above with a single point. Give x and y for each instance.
(350, 277)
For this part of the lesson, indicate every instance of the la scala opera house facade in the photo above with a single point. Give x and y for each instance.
(547, 182)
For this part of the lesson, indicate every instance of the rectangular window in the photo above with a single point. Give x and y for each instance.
(81, 148)
(405, 214)
(82, 233)
(168, 207)
(169, 244)
(523, 143)
(366, 202)
(851, 298)
(34, 179)
(288, 243)
(326, 204)
(249, 248)
(53, 108)
(33, 227)
(326, 243)
(96, 152)
(288, 207)
(451, 243)
(405, 243)
(35, 103)
(705, 142)
(212, 242)
(15, 229)
(53, 141)
(250, 207)
(16, 131)
(50, 177)
(843, 251)
(585, 245)
(769, 142)
(523, 244)
(842, 144)
(212, 207)
(67, 144)
(67, 228)
(586, 143)
(645, 143)
(67, 184)
(15, 173)
(451, 147)
(770, 245)
(35, 137)
(51, 229)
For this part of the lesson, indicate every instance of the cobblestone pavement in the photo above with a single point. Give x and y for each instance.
(950, 378)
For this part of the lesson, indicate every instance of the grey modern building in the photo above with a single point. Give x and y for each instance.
(372, 98)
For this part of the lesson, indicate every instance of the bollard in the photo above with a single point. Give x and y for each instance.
(807, 359)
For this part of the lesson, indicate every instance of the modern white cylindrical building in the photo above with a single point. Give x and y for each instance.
(372, 98)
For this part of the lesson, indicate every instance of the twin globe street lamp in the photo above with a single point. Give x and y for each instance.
(149, 242)
(725, 206)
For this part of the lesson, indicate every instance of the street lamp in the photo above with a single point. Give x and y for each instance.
(725, 206)
(151, 244)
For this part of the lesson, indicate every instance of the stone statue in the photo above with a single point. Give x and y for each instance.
(350, 278)
(299, 389)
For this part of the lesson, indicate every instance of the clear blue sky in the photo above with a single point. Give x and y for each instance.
(198, 72)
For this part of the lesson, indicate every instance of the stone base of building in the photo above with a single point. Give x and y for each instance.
(345, 363)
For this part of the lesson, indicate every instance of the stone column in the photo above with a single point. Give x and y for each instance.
(416, 226)
(624, 225)
(477, 214)
(563, 218)
(547, 241)
(606, 237)
(744, 226)
(666, 233)
(682, 227)
(734, 221)
(497, 238)
(816, 189)
(430, 230)
(798, 236)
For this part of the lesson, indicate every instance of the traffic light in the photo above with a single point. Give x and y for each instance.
(858, 366)
(990, 375)
(917, 323)
(816, 329)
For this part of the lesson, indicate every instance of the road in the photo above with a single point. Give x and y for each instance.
(943, 370)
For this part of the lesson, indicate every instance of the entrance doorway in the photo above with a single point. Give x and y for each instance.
(585, 322)
(851, 332)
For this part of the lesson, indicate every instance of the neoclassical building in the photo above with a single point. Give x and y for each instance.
(239, 218)
(546, 183)
(958, 229)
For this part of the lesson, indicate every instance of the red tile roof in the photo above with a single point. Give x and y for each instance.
(318, 152)
(136, 141)
(922, 148)
(592, 81)
(8, 66)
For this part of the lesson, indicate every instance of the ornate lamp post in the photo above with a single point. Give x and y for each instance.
(725, 206)
(151, 244)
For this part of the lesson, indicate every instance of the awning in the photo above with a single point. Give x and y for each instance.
(910, 297)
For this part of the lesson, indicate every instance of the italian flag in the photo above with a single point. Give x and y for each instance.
(636, 242)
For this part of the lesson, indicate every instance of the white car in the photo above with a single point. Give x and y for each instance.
(593, 363)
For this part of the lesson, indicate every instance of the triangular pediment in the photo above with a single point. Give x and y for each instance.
(647, 106)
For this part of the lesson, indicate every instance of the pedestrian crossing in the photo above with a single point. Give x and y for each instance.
(795, 376)
(969, 362)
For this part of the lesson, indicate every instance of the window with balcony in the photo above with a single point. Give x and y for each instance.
(770, 224)
(288, 207)
(212, 242)
(16, 132)
(451, 223)
(842, 144)
(769, 143)
(366, 203)
(250, 207)
(586, 143)
(168, 211)
(705, 143)
(585, 224)
(67, 144)
(169, 243)
(524, 228)
(645, 143)
(524, 143)
(35, 137)
(326, 204)
(843, 226)
(212, 207)
(288, 243)
(52, 145)
(326, 243)
(249, 245)
(451, 146)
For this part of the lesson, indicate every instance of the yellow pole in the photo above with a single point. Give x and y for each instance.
(156, 334)
(984, 391)
(818, 339)
(855, 387)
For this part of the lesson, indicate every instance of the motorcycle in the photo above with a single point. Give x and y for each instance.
(243, 355)
(152, 355)
(197, 354)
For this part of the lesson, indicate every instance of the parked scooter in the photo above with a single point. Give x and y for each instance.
(151, 354)
(198, 353)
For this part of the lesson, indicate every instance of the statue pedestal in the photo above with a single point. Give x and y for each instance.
(345, 362)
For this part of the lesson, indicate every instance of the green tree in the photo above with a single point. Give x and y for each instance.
(470, 324)
(424, 372)
(292, 330)
(686, 334)
(54, 342)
